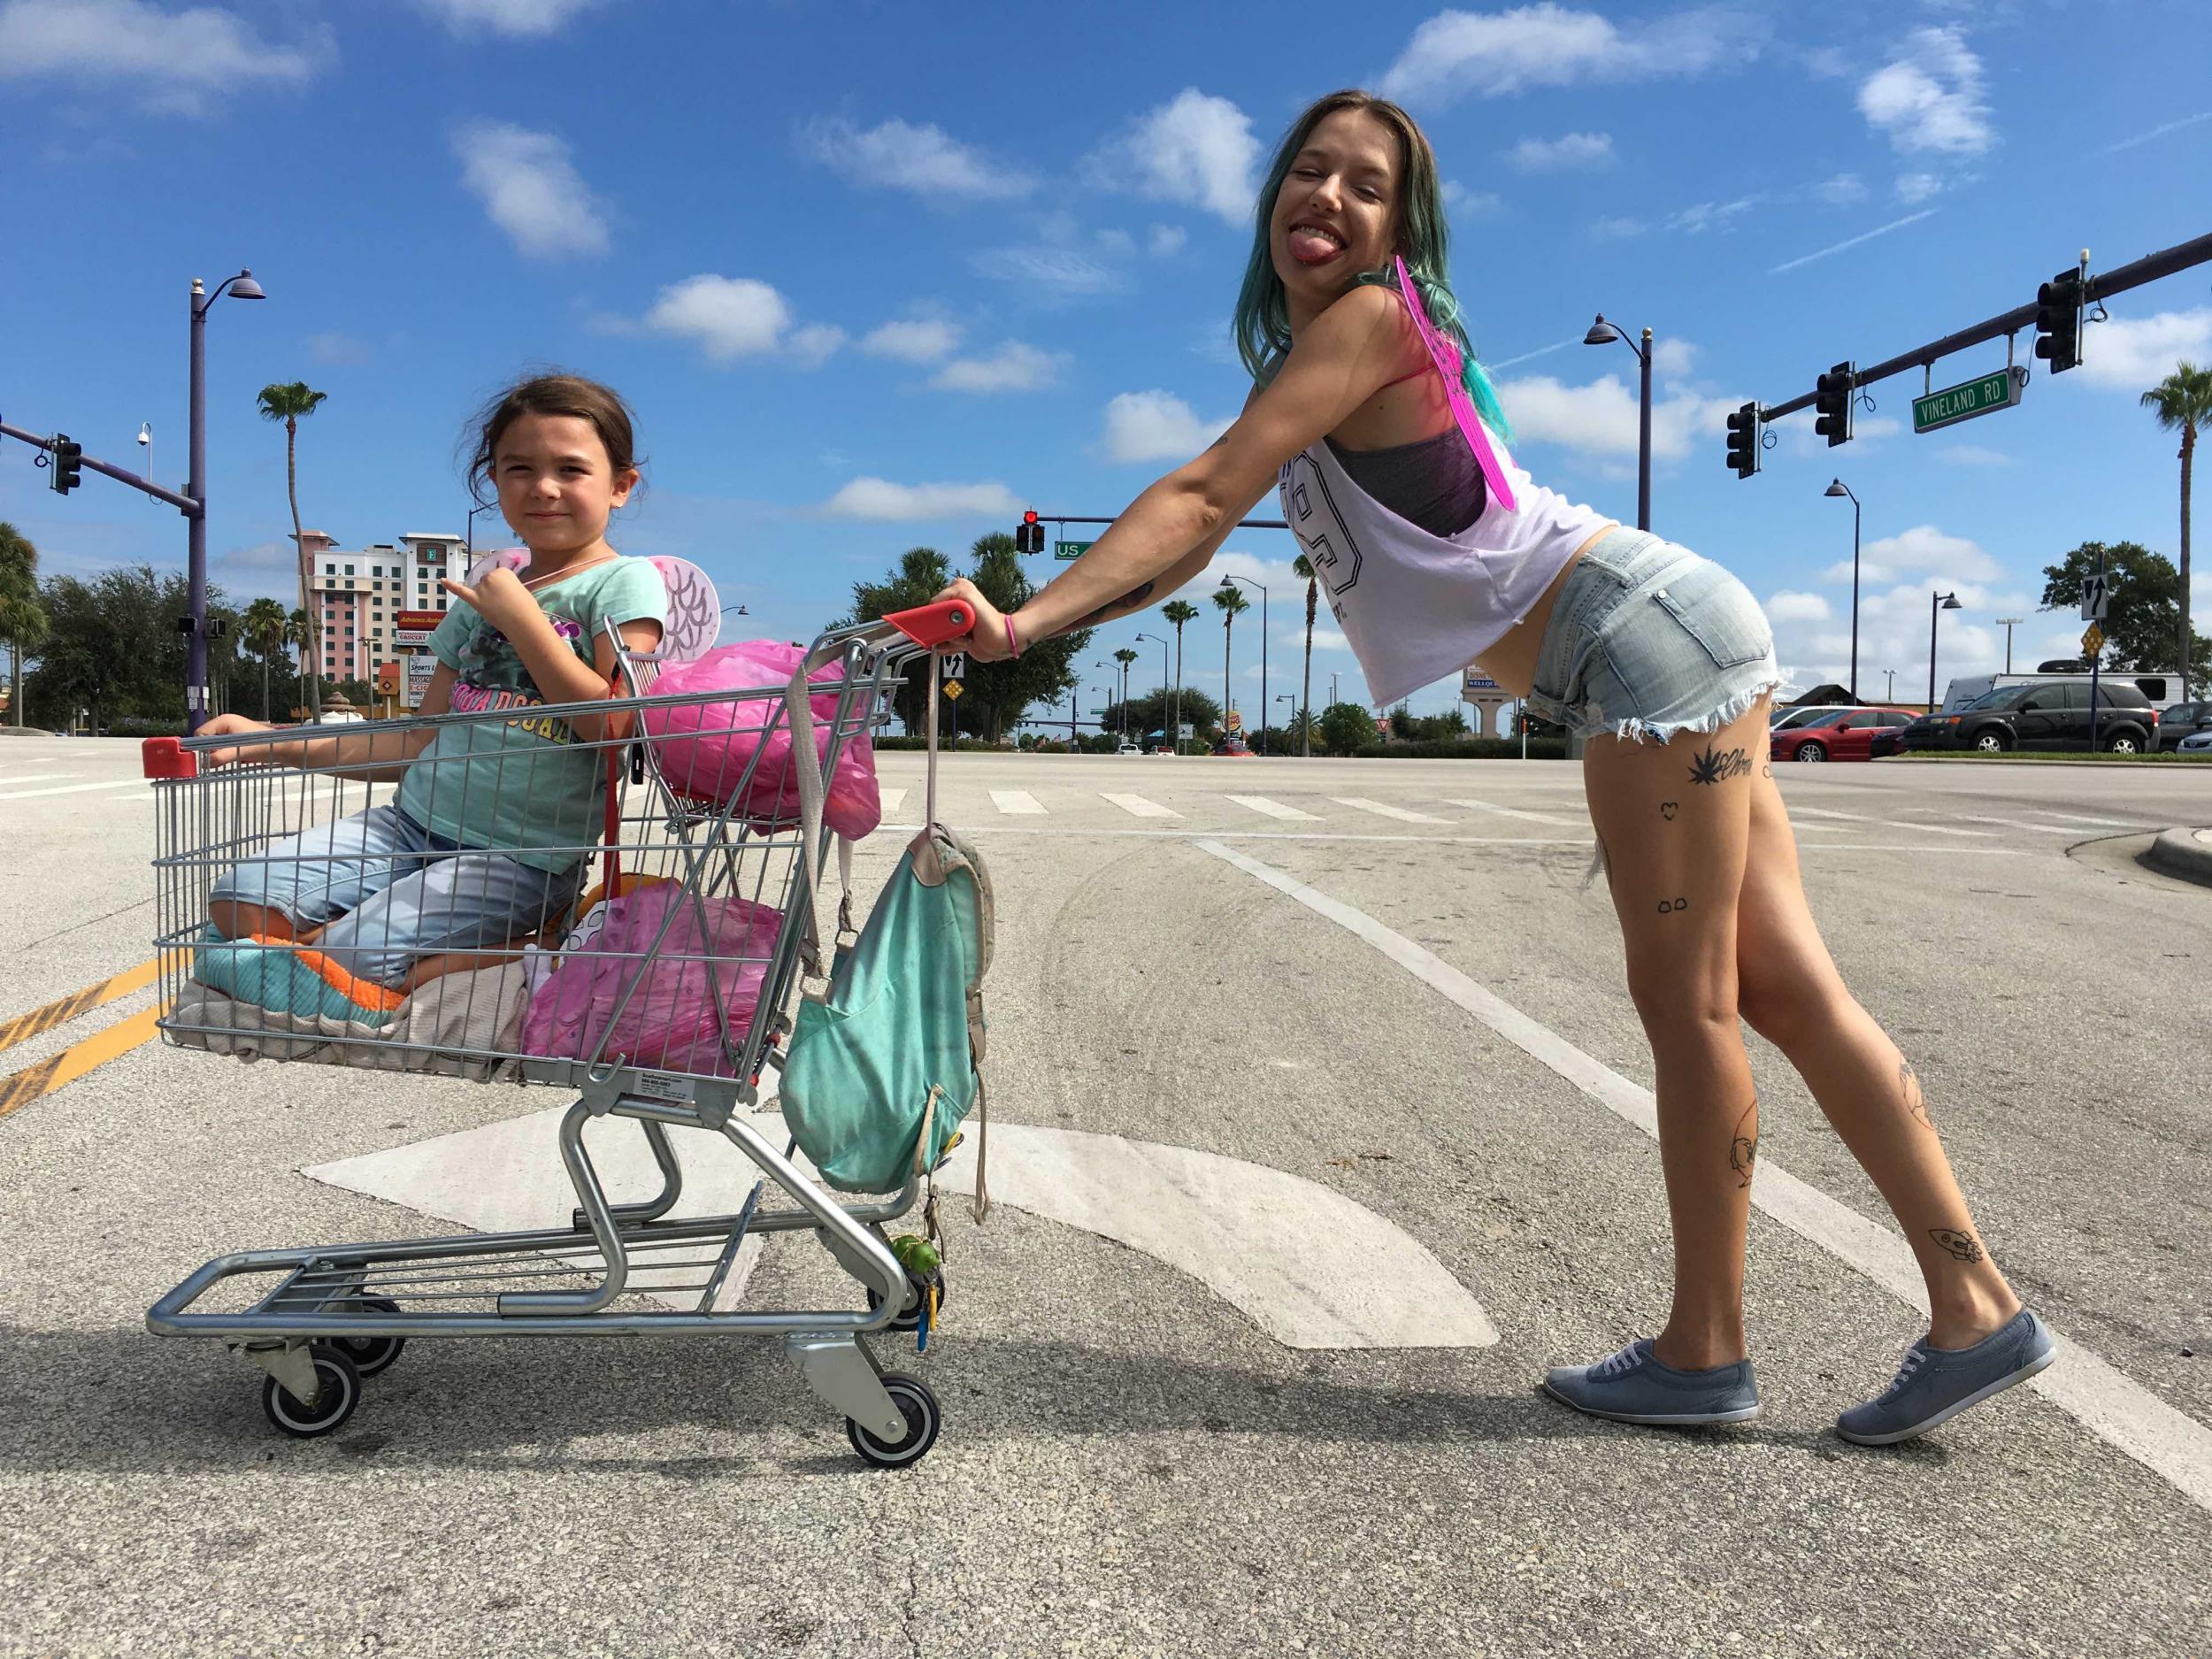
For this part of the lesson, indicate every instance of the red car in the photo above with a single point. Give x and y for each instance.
(1844, 734)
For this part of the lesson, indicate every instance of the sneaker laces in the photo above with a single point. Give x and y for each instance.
(1626, 1360)
(1914, 1358)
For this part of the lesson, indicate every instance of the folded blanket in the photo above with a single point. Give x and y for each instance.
(481, 1009)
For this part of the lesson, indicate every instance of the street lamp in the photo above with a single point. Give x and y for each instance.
(241, 287)
(1249, 582)
(470, 537)
(1936, 602)
(1174, 737)
(2010, 623)
(1838, 488)
(1603, 333)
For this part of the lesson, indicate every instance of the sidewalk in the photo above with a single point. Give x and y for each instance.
(2186, 853)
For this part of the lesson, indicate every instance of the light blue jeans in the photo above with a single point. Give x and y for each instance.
(388, 892)
(1647, 639)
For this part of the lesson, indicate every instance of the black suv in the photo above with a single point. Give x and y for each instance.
(2054, 714)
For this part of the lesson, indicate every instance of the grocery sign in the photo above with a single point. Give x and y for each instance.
(412, 629)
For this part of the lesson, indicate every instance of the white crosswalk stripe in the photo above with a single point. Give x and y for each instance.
(2075, 818)
(1137, 806)
(893, 799)
(1360, 803)
(68, 788)
(2014, 823)
(1272, 809)
(36, 777)
(1887, 823)
(1513, 812)
(1017, 801)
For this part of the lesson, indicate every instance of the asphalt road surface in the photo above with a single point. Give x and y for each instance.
(1371, 1003)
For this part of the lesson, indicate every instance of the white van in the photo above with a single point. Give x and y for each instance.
(2160, 688)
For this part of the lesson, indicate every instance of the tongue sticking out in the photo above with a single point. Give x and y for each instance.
(1311, 248)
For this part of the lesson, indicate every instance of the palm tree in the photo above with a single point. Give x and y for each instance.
(1303, 566)
(288, 403)
(1179, 612)
(265, 627)
(1230, 602)
(1124, 657)
(300, 631)
(22, 618)
(2184, 399)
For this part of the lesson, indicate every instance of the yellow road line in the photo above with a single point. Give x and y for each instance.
(39, 1019)
(73, 1062)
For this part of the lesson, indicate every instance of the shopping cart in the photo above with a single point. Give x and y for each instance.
(321, 1319)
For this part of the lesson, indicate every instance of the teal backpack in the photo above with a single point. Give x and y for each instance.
(884, 1061)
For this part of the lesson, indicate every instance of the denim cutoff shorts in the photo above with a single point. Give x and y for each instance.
(1647, 639)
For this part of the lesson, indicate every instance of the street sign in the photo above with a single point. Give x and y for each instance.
(954, 666)
(412, 629)
(1072, 549)
(1186, 731)
(1475, 681)
(2000, 389)
(2092, 640)
(2096, 598)
(952, 689)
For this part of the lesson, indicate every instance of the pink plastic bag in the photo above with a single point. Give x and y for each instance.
(705, 747)
(670, 1023)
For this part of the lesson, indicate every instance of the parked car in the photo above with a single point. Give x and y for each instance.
(1126, 747)
(1783, 717)
(2200, 743)
(2183, 721)
(2047, 715)
(1839, 735)
(2159, 690)
(1233, 748)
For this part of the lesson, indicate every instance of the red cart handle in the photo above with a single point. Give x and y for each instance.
(167, 758)
(933, 625)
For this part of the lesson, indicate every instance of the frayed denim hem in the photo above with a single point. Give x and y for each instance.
(1638, 730)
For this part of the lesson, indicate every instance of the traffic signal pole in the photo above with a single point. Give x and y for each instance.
(38, 440)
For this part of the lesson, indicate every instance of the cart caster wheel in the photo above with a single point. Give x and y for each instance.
(338, 1392)
(370, 1353)
(923, 1420)
(912, 1319)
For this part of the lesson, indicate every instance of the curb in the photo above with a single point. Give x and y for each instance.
(2184, 853)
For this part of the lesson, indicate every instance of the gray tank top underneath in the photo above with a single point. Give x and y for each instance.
(1434, 482)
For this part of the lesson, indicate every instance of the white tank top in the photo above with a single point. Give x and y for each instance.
(1417, 606)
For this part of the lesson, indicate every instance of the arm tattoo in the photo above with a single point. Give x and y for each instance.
(1712, 766)
(1743, 1148)
(1134, 600)
(1962, 1245)
(1916, 1102)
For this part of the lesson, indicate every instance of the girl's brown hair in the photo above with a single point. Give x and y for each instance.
(553, 394)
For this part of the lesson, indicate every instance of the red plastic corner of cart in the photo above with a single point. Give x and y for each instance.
(167, 758)
(933, 625)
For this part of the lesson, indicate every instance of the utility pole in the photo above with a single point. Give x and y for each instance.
(2009, 624)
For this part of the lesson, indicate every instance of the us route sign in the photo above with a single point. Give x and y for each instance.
(1968, 399)
(1070, 549)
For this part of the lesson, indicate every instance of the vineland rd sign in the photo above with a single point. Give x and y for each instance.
(1963, 402)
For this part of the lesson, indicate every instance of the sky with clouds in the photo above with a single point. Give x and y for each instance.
(876, 275)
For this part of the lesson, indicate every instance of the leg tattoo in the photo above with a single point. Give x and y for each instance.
(1962, 1245)
(1743, 1148)
(1916, 1102)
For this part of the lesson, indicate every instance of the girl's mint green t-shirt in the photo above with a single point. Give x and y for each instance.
(524, 785)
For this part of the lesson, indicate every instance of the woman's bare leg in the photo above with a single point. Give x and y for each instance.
(1790, 993)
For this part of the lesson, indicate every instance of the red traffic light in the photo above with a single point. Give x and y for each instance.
(1030, 517)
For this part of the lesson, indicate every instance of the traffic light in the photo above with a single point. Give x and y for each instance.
(68, 465)
(1029, 536)
(1743, 440)
(1831, 397)
(2058, 305)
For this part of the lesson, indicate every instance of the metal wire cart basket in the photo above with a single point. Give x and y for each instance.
(676, 1014)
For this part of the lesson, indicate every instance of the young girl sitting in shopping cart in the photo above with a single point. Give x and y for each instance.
(485, 843)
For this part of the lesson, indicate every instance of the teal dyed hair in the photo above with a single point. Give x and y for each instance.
(1262, 327)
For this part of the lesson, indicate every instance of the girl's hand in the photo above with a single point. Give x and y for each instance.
(258, 754)
(500, 599)
(985, 641)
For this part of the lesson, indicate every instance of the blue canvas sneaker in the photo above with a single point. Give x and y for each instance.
(1936, 1384)
(1632, 1387)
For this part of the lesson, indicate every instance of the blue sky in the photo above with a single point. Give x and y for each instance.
(878, 275)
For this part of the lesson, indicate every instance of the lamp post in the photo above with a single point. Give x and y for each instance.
(1176, 735)
(1890, 694)
(2010, 623)
(1249, 582)
(469, 552)
(1603, 333)
(244, 287)
(1936, 602)
(1838, 488)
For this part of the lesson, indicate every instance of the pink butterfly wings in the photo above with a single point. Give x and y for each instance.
(1445, 355)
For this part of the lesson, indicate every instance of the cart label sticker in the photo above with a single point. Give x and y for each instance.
(665, 1085)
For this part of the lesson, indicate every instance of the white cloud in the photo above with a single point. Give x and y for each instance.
(1840, 191)
(1157, 425)
(922, 160)
(1616, 229)
(2135, 354)
(336, 349)
(1922, 552)
(878, 498)
(519, 18)
(1195, 149)
(1794, 607)
(1673, 358)
(1554, 154)
(531, 190)
(1164, 239)
(728, 317)
(179, 58)
(1013, 367)
(1491, 54)
(925, 340)
(1054, 273)
(1915, 188)
(1928, 98)
(1971, 455)
(814, 344)
(1852, 241)
(1471, 203)
(1601, 417)
(1704, 216)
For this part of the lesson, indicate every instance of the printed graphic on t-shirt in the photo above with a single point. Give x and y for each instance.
(1320, 529)
(491, 676)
